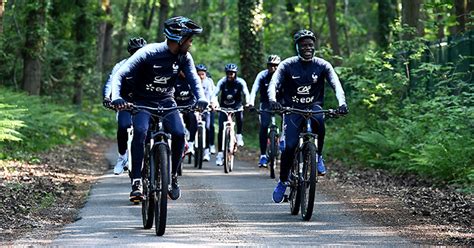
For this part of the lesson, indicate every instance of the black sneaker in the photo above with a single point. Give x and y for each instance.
(136, 195)
(175, 192)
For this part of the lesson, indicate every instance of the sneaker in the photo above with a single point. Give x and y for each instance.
(263, 161)
(175, 191)
(190, 147)
(121, 164)
(321, 167)
(220, 159)
(279, 192)
(240, 140)
(136, 195)
(207, 155)
(213, 149)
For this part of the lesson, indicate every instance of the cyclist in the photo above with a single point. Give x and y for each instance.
(231, 88)
(124, 118)
(302, 80)
(261, 83)
(208, 86)
(155, 70)
(184, 97)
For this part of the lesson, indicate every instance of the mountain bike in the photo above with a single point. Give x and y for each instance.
(229, 140)
(156, 172)
(273, 140)
(303, 173)
(200, 140)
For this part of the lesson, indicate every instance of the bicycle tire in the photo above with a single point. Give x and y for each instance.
(308, 184)
(161, 192)
(226, 150)
(295, 195)
(272, 154)
(199, 152)
(148, 204)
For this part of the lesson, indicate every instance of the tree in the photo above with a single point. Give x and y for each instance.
(121, 36)
(461, 15)
(80, 33)
(109, 28)
(411, 17)
(331, 12)
(386, 12)
(162, 16)
(105, 10)
(2, 7)
(250, 37)
(34, 46)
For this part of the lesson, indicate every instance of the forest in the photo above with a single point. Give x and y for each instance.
(406, 67)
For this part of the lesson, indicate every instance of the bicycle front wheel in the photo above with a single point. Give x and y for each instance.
(272, 152)
(295, 194)
(308, 185)
(148, 204)
(199, 151)
(161, 184)
(227, 151)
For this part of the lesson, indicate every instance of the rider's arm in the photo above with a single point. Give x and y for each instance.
(192, 78)
(107, 90)
(129, 67)
(255, 87)
(333, 80)
(245, 90)
(276, 81)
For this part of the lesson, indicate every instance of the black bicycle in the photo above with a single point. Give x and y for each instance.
(229, 141)
(303, 173)
(156, 172)
(273, 140)
(200, 140)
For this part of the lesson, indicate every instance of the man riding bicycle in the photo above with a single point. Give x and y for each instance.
(124, 118)
(184, 97)
(231, 88)
(300, 79)
(261, 83)
(155, 69)
(209, 87)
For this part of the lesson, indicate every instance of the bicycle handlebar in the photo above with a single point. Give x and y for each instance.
(284, 110)
(160, 109)
(229, 110)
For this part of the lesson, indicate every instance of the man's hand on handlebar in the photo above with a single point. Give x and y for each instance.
(201, 105)
(120, 104)
(342, 110)
(276, 106)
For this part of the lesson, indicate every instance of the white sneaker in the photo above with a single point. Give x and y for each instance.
(220, 159)
(121, 163)
(240, 140)
(207, 155)
(191, 147)
(213, 149)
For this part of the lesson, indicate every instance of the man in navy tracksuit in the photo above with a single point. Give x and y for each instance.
(232, 89)
(124, 118)
(184, 97)
(208, 86)
(261, 84)
(155, 69)
(301, 82)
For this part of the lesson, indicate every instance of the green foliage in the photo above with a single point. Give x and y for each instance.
(35, 124)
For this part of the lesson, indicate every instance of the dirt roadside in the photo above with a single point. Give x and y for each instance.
(38, 199)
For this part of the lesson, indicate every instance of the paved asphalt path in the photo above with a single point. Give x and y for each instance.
(218, 209)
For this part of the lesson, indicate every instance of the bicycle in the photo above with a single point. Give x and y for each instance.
(200, 140)
(156, 172)
(303, 173)
(229, 140)
(273, 141)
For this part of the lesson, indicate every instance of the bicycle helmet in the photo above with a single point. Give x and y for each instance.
(135, 43)
(304, 34)
(231, 67)
(273, 59)
(180, 27)
(201, 67)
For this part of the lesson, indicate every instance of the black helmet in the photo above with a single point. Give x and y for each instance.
(135, 43)
(231, 67)
(177, 28)
(201, 67)
(273, 59)
(304, 34)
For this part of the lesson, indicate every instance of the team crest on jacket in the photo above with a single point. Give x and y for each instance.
(175, 68)
(315, 77)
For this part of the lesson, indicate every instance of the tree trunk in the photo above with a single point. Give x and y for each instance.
(461, 15)
(386, 11)
(331, 11)
(34, 46)
(109, 28)
(105, 8)
(2, 8)
(121, 36)
(207, 28)
(223, 21)
(250, 37)
(162, 17)
(146, 7)
(411, 17)
(310, 14)
(80, 31)
(150, 17)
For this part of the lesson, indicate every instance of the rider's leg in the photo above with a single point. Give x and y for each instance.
(222, 119)
(212, 132)
(239, 117)
(124, 121)
(292, 130)
(191, 124)
(140, 127)
(172, 124)
(319, 127)
(265, 119)
(207, 126)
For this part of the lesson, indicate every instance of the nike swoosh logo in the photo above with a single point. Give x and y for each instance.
(295, 77)
(157, 66)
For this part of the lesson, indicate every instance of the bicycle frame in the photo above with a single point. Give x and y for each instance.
(200, 123)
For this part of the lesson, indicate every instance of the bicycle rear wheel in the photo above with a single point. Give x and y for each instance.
(148, 204)
(308, 185)
(227, 151)
(199, 151)
(295, 194)
(161, 184)
(272, 152)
